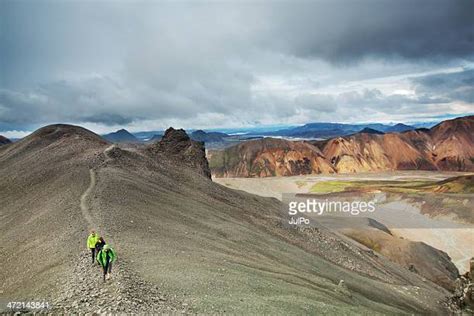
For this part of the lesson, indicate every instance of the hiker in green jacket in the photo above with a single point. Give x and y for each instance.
(105, 257)
(91, 241)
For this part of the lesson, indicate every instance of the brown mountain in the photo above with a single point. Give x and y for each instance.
(447, 146)
(453, 144)
(268, 157)
(184, 243)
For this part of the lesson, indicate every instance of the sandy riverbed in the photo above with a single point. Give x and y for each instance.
(403, 218)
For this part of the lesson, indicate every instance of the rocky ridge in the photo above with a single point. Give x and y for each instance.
(178, 146)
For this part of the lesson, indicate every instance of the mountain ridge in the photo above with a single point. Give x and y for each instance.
(447, 146)
(328, 130)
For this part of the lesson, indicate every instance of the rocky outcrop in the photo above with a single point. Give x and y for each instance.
(464, 291)
(176, 144)
(4, 140)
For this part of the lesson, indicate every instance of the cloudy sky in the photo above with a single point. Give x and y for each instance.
(147, 65)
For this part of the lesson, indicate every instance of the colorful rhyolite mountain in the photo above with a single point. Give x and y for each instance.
(446, 146)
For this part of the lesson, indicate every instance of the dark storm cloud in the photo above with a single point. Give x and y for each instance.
(456, 86)
(122, 63)
(342, 31)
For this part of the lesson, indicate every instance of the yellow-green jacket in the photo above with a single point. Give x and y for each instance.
(92, 240)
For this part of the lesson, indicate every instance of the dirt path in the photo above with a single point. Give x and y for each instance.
(85, 209)
(106, 152)
(85, 292)
(86, 213)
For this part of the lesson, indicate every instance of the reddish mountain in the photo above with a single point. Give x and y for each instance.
(453, 144)
(447, 146)
(370, 152)
(268, 157)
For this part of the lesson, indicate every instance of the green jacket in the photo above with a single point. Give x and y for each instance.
(92, 240)
(102, 256)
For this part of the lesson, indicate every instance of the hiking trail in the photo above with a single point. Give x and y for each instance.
(106, 152)
(84, 291)
(86, 213)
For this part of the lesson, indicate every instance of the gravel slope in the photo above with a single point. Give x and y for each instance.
(183, 242)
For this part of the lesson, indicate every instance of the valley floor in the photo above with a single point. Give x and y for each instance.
(276, 186)
(401, 212)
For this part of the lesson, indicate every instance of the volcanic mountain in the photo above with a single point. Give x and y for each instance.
(4, 140)
(184, 243)
(400, 127)
(368, 130)
(121, 136)
(208, 137)
(446, 146)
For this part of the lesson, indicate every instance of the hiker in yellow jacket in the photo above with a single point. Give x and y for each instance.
(91, 241)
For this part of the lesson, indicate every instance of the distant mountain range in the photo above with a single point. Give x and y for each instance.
(446, 146)
(327, 130)
(124, 136)
(225, 137)
(216, 139)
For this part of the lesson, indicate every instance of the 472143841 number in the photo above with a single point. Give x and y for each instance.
(30, 305)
